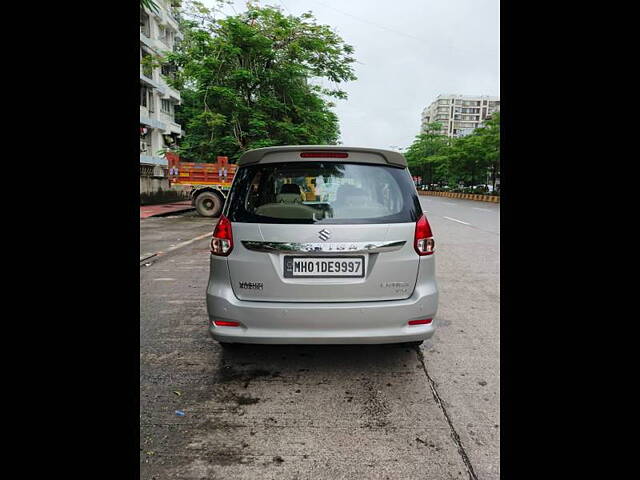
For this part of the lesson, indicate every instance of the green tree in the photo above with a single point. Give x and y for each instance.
(490, 139)
(465, 160)
(253, 80)
(479, 153)
(150, 4)
(427, 154)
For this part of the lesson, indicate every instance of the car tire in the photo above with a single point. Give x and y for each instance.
(413, 344)
(208, 204)
(229, 345)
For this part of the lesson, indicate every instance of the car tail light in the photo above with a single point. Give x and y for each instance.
(420, 322)
(222, 241)
(221, 323)
(424, 242)
(324, 155)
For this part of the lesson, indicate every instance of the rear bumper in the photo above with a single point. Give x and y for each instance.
(319, 323)
(359, 338)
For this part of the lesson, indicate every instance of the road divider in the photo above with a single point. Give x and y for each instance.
(464, 196)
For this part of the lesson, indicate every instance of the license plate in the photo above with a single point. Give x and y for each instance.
(345, 267)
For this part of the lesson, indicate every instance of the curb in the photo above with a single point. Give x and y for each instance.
(165, 214)
(183, 209)
(464, 196)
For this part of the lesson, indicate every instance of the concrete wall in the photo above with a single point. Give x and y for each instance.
(155, 188)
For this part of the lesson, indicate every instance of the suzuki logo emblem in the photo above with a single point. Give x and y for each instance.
(324, 234)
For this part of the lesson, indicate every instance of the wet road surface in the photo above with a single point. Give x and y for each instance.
(302, 412)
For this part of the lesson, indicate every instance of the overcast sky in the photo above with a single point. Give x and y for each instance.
(407, 52)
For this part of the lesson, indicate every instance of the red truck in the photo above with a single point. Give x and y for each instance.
(209, 182)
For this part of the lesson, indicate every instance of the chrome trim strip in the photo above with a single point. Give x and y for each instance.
(323, 248)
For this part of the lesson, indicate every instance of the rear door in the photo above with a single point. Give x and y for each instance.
(322, 230)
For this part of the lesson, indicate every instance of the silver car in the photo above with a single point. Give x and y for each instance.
(322, 245)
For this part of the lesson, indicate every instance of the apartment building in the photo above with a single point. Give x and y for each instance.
(159, 33)
(459, 114)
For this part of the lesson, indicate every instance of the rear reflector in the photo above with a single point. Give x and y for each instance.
(420, 322)
(324, 155)
(221, 323)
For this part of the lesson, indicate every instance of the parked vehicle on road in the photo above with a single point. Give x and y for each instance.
(209, 182)
(322, 245)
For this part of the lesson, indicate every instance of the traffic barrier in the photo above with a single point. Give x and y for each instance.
(464, 196)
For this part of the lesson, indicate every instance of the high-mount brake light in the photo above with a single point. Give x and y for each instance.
(222, 241)
(424, 242)
(324, 155)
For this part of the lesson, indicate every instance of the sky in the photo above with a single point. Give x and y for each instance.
(408, 52)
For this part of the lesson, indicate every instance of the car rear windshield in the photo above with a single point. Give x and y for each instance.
(322, 192)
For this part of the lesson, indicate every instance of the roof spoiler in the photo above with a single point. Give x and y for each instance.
(389, 156)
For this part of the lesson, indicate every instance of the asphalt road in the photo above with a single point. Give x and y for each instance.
(307, 412)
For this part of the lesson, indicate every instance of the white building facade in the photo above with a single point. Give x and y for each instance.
(459, 114)
(159, 33)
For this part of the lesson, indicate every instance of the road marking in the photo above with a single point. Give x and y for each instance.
(164, 279)
(208, 234)
(448, 203)
(180, 245)
(483, 209)
(455, 220)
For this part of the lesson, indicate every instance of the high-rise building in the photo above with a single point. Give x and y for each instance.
(159, 33)
(459, 114)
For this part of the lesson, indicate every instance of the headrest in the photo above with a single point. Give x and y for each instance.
(290, 188)
(288, 198)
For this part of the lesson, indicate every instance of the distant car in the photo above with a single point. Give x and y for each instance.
(356, 266)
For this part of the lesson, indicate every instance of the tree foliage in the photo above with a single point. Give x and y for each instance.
(251, 80)
(426, 156)
(470, 160)
(149, 4)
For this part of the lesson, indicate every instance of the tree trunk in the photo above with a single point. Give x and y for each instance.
(493, 177)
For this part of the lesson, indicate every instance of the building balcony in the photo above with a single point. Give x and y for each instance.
(149, 81)
(164, 16)
(148, 42)
(169, 125)
(156, 45)
(152, 160)
(168, 92)
(170, 19)
(151, 122)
